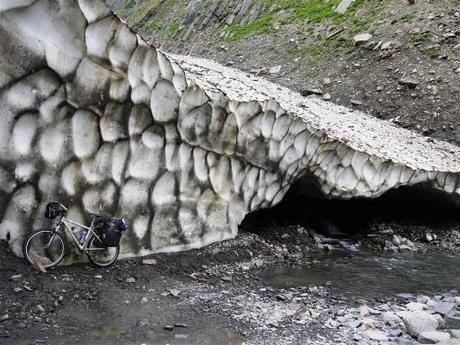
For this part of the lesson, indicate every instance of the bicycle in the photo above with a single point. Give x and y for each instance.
(46, 247)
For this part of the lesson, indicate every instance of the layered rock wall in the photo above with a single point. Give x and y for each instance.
(95, 118)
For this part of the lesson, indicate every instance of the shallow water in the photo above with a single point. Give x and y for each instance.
(368, 275)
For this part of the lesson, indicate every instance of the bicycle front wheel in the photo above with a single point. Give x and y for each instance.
(44, 247)
(101, 255)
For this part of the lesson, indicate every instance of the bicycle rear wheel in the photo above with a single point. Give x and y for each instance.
(44, 247)
(101, 255)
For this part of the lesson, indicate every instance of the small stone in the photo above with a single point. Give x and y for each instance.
(4, 317)
(275, 69)
(386, 45)
(390, 317)
(144, 300)
(168, 327)
(98, 276)
(180, 336)
(174, 292)
(327, 97)
(280, 297)
(227, 279)
(150, 262)
(356, 102)
(326, 81)
(343, 6)
(130, 280)
(181, 325)
(16, 277)
(308, 92)
(362, 38)
(142, 323)
(433, 337)
(375, 334)
(411, 83)
(40, 308)
(379, 88)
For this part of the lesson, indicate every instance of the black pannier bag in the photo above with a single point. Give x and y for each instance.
(109, 230)
(53, 210)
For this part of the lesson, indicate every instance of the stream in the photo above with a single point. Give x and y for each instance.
(367, 275)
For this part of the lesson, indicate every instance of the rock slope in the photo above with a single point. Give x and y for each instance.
(94, 117)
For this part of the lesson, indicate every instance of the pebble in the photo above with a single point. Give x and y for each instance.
(174, 292)
(275, 69)
(356, 102)
(4, 317)
(144, 300)
(327, 96)
(168, 327)
(130, 280)
(150, 262)
(16, 277)
(362, 38)
(98, 276)
(411, 83)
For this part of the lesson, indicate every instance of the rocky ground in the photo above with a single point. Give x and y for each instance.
(396, 61)
(219, 295)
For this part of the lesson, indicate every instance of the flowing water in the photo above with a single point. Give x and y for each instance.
(368, 275)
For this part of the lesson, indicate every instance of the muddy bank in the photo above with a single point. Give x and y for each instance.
(216, 295)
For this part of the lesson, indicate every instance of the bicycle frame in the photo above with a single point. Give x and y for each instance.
(67, 226)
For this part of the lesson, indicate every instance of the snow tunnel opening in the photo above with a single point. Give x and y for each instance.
(408, 206)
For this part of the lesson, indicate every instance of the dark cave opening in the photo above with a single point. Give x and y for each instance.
(408, 206)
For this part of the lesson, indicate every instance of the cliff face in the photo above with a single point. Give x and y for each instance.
(94, 117)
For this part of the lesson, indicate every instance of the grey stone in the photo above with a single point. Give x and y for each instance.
(417, 322)
(455, 333)
(410, 82)
(375, 334)
(452, 321)
(433, 337)
(343, 6)
(444, 308)
(149, 262)
(362, 38)
(275, 69)
(130, 280)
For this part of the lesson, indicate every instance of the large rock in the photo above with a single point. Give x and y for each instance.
(94, 117)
